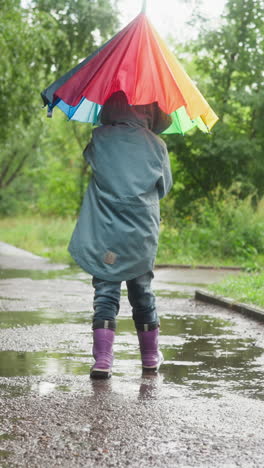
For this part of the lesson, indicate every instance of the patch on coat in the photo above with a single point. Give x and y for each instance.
(110, 258)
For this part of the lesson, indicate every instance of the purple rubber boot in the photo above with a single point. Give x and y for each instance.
(151, 356)
(103, 339)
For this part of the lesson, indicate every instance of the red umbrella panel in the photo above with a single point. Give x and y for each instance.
(137, 62)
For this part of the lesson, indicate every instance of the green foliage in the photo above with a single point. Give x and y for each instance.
(62, 177)
(81, 24)
(47, 237)
(224, 228)
(246, 288)
(37, 44)
(227, 232)
(59, 196)
(227, 64)
(21, 75)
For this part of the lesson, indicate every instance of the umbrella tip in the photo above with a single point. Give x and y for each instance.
(144, 6)
(49, 112)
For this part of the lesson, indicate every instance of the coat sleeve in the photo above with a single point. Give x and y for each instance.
(88, 152)
(164, 183)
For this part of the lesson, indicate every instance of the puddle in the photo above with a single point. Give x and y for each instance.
(17, 364)
(206, 354)
(217, 365)
(67, 273)
(194, 285)
(173, 294)
(212, 357)
(5, 436)
(13, 390)
(190, 276)
(4, 454)
(45, 317)
(170, 294)
(202, 353)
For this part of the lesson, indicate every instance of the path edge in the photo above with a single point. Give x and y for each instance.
(245, 309)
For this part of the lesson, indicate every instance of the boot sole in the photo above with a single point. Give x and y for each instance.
(149, 370)
(98, 374)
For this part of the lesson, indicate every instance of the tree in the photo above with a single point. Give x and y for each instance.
(21, 74)
(37, 44)
(82, 25)
(230, 62)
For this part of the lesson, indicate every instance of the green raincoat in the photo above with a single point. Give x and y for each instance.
(116, 235)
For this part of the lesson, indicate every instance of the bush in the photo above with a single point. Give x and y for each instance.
(223, 232)
(224, 227)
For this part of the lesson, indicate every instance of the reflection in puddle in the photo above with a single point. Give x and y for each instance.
(204, 354)
(150, 387)
(17, 364)
(101, 387)
(5, 436)
(4, 454)
(72, 272)
(223, 360)
(42, 317)
(44, 388)
(167, 293)
(173, 294)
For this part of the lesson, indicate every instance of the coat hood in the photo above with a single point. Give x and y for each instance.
(116, 110)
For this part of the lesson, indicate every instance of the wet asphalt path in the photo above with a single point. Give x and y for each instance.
(203, 409)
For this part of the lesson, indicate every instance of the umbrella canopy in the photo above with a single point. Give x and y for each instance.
(137, 62)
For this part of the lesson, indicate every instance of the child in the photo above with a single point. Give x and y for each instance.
(116, 236)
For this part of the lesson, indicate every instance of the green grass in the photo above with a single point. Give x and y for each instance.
(194, 245)
(226, 231)
(49, 237)
(222, 231)
(247, 288)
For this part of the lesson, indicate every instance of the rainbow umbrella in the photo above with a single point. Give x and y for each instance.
(137, 62)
